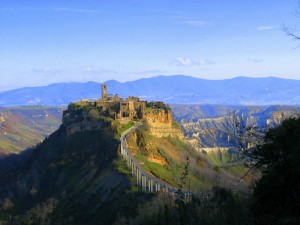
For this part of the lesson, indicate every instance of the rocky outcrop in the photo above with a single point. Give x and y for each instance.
(83, 120)
(211, 132)
(160, 123)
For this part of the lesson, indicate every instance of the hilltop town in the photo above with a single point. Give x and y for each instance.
(115, 107)
(88, 114)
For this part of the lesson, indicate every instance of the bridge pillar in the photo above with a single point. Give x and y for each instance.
(157, 186)
(144, 182)
(133, 171)
(152, 184)
(165, 188)
(140, 178)
(138, 182)
(128, 160)
(149, 184)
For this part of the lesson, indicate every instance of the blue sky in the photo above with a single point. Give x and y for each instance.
(43, 42)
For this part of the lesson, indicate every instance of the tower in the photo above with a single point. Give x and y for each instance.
(104, 92)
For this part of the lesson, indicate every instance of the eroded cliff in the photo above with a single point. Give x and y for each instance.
(159, 122)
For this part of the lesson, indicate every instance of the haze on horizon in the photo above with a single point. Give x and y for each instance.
(44, 42)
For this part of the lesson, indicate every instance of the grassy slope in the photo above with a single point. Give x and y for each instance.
(23, 127)
(165, 158)
(232, 164)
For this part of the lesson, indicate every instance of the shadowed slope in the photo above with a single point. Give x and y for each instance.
(69, 179)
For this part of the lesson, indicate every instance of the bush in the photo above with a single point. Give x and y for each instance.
(277, 194)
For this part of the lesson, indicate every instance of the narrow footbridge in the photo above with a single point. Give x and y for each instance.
(143, 179)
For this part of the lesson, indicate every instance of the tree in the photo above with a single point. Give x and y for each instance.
(277, 193)
(242, 136)
(293, 32)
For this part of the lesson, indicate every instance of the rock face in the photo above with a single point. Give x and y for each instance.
(210, 132)
(76, 121)
(161, 124)
(140, 141)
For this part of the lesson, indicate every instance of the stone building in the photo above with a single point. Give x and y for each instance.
(116, 107)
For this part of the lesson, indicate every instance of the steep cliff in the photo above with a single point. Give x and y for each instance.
(160, 123)
(157, 117)
(210, 132)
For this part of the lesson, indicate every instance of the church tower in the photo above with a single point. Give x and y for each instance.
(104, 92)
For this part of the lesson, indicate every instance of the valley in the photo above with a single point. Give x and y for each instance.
(205, 126)
(24, 127)
(81, 162)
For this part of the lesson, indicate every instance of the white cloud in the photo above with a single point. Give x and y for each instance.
(202, 62)
(184, 61)
(262, 28)
(196, 23)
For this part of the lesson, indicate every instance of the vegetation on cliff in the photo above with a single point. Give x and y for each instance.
(165, 158)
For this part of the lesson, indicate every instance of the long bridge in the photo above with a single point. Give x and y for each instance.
(143, 179)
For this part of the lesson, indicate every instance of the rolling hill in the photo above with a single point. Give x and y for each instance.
(177, 89)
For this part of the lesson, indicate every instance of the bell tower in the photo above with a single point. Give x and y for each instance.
(104, 92)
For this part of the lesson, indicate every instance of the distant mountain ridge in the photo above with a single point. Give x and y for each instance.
(176, 89)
